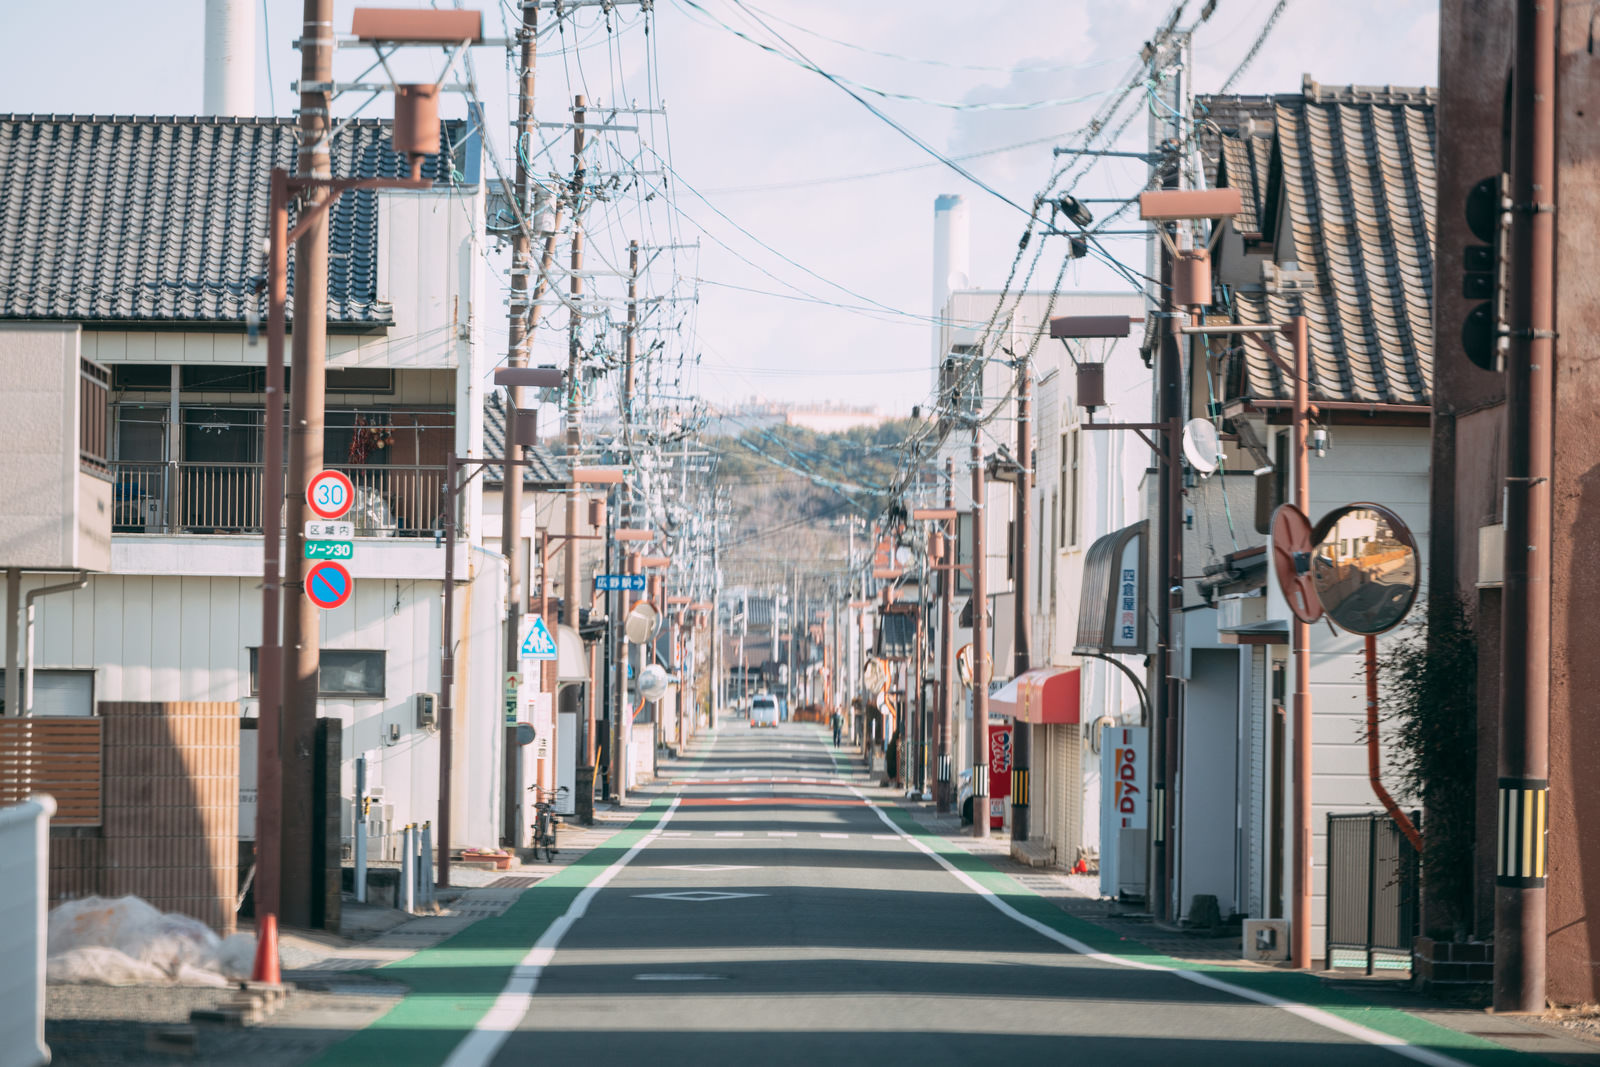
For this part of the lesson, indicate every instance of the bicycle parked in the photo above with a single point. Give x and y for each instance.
(544, 823)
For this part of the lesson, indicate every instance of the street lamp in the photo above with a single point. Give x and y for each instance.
(1193, 269)
(289, 688)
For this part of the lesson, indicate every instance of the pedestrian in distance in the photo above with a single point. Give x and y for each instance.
(838, 727)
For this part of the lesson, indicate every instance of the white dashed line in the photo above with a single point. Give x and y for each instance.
(836, 836)
(780, 833)
(729, 833)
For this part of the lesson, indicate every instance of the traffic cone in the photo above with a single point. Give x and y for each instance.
(266, 968)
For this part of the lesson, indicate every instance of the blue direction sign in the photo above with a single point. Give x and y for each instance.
(614, 583)
(537, 642)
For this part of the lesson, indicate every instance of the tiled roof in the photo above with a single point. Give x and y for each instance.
(107, 218)
(1354, 168)
(545, 467)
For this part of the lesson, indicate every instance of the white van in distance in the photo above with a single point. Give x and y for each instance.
(764, 711)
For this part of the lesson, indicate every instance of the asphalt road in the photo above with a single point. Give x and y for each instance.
(772, 920)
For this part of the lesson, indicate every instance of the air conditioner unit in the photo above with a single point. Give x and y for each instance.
(427, 710)
(152, 513)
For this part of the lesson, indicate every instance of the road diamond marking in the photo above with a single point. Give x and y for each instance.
(698, 896)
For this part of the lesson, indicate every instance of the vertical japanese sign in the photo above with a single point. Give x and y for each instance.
(1125, 632)
(1129, 795)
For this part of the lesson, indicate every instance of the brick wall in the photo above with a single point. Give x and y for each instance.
(171, 813)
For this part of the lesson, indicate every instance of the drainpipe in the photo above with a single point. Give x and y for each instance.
(27, 672)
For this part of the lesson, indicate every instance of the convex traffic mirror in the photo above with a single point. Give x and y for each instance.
(1364, 567)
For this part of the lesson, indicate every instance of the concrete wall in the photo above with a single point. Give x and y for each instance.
(39, 447)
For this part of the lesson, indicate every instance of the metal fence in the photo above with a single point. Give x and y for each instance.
(225, 498)
(1373, 888)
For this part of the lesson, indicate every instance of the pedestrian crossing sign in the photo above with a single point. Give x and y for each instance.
(537, 642)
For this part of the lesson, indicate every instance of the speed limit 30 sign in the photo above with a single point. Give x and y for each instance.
(329, 495)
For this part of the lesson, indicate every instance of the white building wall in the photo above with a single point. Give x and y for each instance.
(1383, 465)
(182, 638)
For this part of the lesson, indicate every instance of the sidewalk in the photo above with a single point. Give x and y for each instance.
(337, 988)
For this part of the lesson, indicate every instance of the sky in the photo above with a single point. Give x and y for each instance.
(814, 271)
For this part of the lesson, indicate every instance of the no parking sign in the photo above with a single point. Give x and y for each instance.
(328, 584)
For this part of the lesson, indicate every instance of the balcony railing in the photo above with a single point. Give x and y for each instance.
(225, 498)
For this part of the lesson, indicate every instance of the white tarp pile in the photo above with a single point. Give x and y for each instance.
(95, 941)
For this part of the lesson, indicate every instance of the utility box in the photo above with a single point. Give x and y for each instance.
(55, 482)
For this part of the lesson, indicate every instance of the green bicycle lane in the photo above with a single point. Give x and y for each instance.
(1294, 988)
(452, 986)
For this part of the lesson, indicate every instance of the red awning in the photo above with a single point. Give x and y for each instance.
(1049, 695)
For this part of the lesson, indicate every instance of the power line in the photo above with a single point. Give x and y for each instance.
(1261, 39)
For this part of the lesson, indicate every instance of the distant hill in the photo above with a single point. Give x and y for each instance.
(792, 491)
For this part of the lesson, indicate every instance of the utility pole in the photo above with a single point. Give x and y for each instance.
(517, 356)
(980, 650)
(1021, 656)
(1169, 533)
(1524, 750)
(944, 791)
(301, 624)
(569, 583)
(632, 341)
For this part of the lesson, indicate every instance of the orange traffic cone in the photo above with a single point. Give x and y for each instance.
(266, 968)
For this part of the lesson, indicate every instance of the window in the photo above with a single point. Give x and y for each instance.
(58, 693)
(1070, 529)
(225, 378)
(344, 673)
(360, 380)
(144, 377)
(1272, 488)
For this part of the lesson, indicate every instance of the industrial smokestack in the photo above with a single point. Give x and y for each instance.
(230, 87)
(952, 260)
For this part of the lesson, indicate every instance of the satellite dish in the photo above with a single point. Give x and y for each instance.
(1364, 566)
(653, 682)
(903, 555)
(640, 623)
(1202, 447)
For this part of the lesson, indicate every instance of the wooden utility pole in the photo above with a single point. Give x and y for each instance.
(1524, 750)
(517, 356)
(944, 791)
(301, 658)
(980, 651)
(574, 383)
(1021, 656)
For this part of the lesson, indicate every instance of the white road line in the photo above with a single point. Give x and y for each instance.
(780, 833)
(729, 833)
(886, 837)
(834, 835)
(514, 1001)
(1304, 1011)
(676, 833)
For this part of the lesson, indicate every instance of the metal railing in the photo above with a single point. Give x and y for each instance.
(225, 498)
(1373, 889)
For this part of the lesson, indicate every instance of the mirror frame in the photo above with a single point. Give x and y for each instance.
(1403, 534)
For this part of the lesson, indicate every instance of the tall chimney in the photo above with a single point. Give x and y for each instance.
(952, 260)
(230, 57)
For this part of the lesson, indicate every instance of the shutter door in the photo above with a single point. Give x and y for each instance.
(1255, 740)
(1062, 831)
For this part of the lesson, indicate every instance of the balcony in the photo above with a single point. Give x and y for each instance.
(179, 498)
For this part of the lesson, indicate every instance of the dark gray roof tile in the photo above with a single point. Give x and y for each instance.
(1355, 173)
(107, 218)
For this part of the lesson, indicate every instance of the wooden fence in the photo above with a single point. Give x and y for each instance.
(61, 757)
